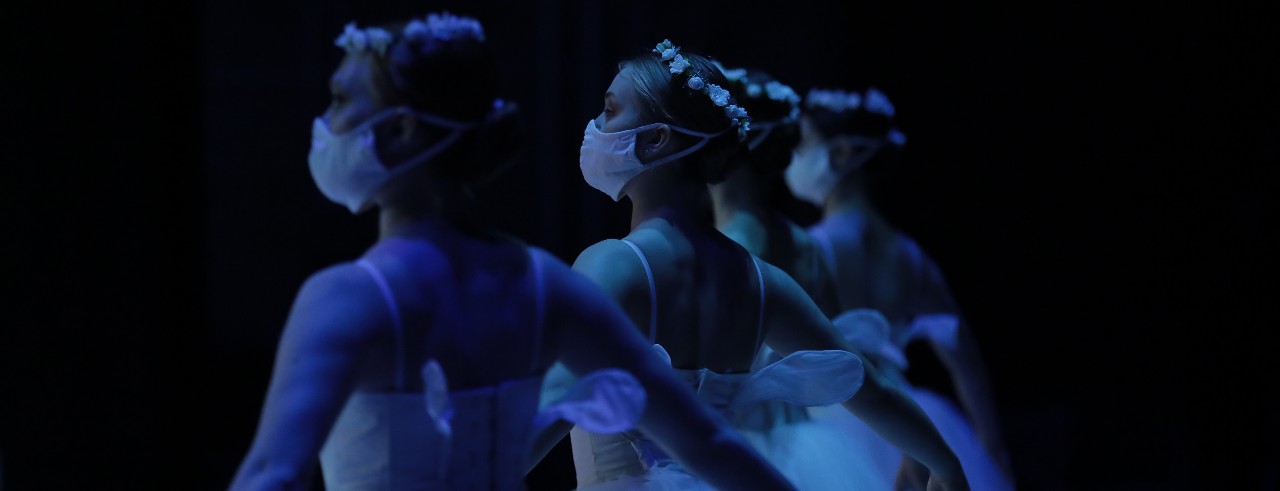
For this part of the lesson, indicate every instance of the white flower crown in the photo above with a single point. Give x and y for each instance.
(874, 101)
(719, 95)
(773, 90)
(443, 26)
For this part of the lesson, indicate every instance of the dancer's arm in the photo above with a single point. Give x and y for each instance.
(796, 323)
(964, 363)
(335, 315)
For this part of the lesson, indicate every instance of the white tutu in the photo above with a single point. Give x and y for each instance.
(760, 404)
(823, 454)
(667, 476)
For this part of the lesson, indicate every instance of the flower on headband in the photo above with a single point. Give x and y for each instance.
(878, 103)
(833, 100)
(352, 39)
(379, 40)
(355, 40)
(754, 90)
(718, 95)
(445, 26)
(667, 51)
(734, 74)
(679, 64)
(896, 137)
(781, 92)
(436, 26)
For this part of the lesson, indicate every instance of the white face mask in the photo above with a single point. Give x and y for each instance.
(346, 167)
(609, 160)
(810, 176)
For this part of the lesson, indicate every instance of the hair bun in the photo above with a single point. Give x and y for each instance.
(497, 142)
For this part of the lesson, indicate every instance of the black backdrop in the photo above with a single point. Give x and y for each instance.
(1095, 180)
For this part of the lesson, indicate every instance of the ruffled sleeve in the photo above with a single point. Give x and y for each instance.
(604, 401)
(868, 332)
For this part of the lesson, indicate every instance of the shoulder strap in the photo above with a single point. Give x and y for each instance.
(395, 316)
(653, 292)
(760, 318)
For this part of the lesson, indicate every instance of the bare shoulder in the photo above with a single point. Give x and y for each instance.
(793, 321)
(776, 281)
(342, 301)
(782, 293)
(933, 291)
(338, 277)
(913, 259)
(611, 263)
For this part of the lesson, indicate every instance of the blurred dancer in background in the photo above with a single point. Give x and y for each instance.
(847, 139)
(792, 436)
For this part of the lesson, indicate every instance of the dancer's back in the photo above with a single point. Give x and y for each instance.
(707, 291)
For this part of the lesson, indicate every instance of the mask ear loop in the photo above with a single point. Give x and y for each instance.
(498, 111)
(706, 137)
(765, 129)
(458, 128)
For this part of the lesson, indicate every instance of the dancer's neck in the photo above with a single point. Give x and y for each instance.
(847, 198)
(739, 197)
(402, 222)
(674, 195)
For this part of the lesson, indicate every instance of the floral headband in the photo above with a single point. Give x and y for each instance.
(679, 66)
(443, 26)
(874, 102)
(773, 90)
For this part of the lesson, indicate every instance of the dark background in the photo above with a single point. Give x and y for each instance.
(1096, 181)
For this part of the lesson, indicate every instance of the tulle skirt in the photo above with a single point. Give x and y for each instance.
(829, 453)
(663, 477)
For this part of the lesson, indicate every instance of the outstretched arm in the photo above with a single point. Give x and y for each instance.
(964, 363)
(334, 315)
(590, 332)
(796, 323)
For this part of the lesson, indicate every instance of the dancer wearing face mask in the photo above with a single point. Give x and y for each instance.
(810, 441)
(667, 129)
(743, 209)
(847, 139)
(418, 365)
